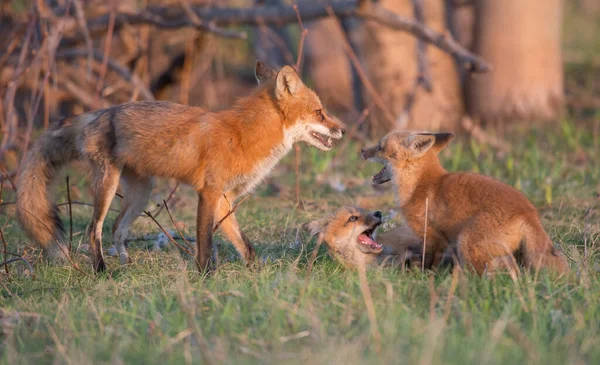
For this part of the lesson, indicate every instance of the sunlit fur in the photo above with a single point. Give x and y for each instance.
(490, 224)
(341, 237)
(220, 154)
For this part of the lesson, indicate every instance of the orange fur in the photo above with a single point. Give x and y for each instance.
(487, 222)
(341, 230)
(220, 154)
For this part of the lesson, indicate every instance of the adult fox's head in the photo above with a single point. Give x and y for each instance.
(303, 114)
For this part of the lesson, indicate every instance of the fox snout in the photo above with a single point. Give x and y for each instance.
(368, 153)
(374, 219)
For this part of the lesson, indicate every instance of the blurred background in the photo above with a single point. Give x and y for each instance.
(477, 67)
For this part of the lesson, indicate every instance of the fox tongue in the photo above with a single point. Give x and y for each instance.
(366, 240)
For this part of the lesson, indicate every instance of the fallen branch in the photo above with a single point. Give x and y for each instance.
(14, 259)
(175, 17)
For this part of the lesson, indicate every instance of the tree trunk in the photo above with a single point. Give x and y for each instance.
(327, 65)
(521, 39)
(390, 59)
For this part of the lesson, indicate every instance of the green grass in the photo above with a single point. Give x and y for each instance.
(159, 310)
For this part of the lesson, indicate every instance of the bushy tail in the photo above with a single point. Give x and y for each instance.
(540, 252)
(36, 212)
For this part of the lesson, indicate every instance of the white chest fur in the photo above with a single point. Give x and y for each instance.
(247, 183)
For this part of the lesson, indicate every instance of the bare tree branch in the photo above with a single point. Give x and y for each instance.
(113, 65)
(210, 18)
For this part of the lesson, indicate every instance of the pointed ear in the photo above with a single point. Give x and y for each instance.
(442, 140)
(288, 81)
(316, 226)
(262, 72)
(420, 143)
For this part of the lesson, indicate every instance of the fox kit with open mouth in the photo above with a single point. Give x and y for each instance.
(488, 223)
(222, 155)
(350, 235)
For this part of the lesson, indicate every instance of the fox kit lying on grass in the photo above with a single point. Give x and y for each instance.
(488, 223)
(350, 236)
(222, 155)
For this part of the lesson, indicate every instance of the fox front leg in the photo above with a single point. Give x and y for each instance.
(205, 220)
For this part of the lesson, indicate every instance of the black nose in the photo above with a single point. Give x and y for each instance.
(362, 150)
(343, 131)
(377, 214)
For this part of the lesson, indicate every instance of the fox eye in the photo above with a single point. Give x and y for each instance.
(353, 218)
(320, 114)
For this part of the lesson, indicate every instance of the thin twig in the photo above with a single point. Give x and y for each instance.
(360, 71)
(14, 259)
(167, 234)
(89, 45)
(70, 216)
(156, 212)
(107, 44)
(5, 248)
(114, 65)
(177, 227)
(230, 212)
(10, 131)
(209, 26)
(297, 149)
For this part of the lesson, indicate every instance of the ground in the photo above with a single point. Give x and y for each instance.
(158, 309)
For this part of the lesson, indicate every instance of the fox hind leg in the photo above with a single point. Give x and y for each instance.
(105, 183)
(231, 229)
(483, 245)
(136, 192)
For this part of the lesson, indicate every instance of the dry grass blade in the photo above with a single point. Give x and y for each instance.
(368, 298)
(425, 235)
(189, 310)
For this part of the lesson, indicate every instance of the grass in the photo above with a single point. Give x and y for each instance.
(159, 310)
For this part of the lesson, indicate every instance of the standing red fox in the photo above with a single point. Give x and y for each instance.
(222, 155)
(488, 223)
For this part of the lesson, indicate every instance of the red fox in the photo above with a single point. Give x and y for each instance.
(222, 155)
(350, 235)
(489, 224)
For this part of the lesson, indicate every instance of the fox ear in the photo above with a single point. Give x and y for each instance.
(315, 227)
(263, 73)
(442, 140)
(420, 143)
(288, 81)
